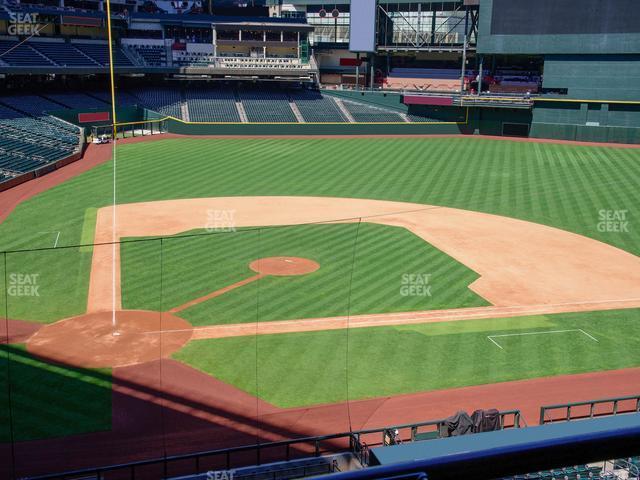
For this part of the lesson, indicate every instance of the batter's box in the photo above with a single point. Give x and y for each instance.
(561, 337)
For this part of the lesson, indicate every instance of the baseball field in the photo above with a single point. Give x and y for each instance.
(258, 284)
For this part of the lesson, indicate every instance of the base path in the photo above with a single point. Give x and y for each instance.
(277, 266)
(404, 318)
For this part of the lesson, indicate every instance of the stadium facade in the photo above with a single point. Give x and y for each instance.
(573, 77)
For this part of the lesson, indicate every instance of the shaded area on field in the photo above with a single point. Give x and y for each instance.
(50, 400)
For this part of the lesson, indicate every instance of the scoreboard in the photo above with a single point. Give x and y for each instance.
(559, 26)
(549, 17)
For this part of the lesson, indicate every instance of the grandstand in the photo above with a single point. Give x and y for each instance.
(211, 104)
(164, 100)
(364, 113)
(30, 140)
(316, 107)
(266, 106)
(22, 54)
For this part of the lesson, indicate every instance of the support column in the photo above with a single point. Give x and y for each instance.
(357, 72)
(371, 62)
(433, 26)
(480, 74)
(464, 49)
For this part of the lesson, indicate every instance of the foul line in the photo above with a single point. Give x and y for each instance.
(55, 244)
(491, 337)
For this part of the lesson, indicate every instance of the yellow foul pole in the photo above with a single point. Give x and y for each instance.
(111, 75)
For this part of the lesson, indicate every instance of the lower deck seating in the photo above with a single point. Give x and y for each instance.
(4, 176)
(76, 100)
(315, 107)
(267, 106)
(30, 141)
(123, 98)
(164, 100)
(212, 105)
(366, 113)
(579, 472)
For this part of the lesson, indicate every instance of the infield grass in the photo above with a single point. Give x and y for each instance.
(196, 266)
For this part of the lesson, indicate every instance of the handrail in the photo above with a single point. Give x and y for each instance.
(592, 404)
(355, 445)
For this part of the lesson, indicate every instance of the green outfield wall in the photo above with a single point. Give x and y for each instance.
(595, 77)
(124, 114)
(555, 121)
(181, 128)
(587, 121)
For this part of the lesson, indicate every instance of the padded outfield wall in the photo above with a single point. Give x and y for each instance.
(484, 121)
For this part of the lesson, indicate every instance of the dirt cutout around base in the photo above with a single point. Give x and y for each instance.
(93, 340)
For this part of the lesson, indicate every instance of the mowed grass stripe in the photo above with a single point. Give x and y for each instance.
(328, 292)
(397, 360)
(561, 185)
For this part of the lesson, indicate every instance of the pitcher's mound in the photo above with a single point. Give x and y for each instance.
(91, 341)
(284, 266)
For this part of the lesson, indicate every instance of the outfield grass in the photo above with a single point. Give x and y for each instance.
(303, 369)
(194, 267)
(49, 400)
(560, 185)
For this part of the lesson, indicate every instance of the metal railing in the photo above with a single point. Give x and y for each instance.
(357, 444)
(590, 409)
